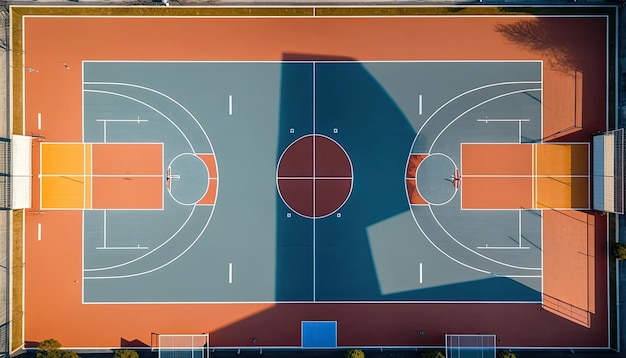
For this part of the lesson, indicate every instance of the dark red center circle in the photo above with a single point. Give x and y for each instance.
(314, 176)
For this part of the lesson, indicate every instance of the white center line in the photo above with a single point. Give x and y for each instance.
(230, 272)
(104, 229)
(519, 225)
(38, 120)
(39, 232)
(230, 105)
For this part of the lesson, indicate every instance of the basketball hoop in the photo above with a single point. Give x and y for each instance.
(169, 178)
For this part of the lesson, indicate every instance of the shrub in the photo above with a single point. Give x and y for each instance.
(619, 250)
(48, 345)
(433, 354)
(70, 354)
(126, 353)
(354, 353)
(51, 348)
(506, 354)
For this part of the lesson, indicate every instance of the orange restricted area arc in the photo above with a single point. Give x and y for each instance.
(525, 176)
(101, 176)
(211, 165)
(415, 198)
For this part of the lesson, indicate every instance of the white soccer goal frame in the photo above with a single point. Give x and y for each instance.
(475, 345)
(183, 345)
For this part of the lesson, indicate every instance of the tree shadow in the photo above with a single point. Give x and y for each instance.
(135, 343)
(535, 36)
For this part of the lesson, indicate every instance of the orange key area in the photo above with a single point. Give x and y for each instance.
(77, 176)
(127, 192)
(496, 193)
(525, 176)
(128, 159)
(496, 159)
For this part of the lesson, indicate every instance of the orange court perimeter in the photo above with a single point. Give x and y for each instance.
(575, 311)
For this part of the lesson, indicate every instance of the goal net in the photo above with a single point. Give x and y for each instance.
(470, 346)
(182, 345)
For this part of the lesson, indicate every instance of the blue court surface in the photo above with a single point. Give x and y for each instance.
(287, 182)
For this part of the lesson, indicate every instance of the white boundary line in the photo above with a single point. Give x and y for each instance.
(84, 174)
(23, 76)
(164, 176)
(306, 62)
(617, 287)
(312, 15)
(23, 269)
(379, 348)
(616, 119)
(82, 105)
(317, 178)
(23, 27)
(606, 87)
(542, 253)
(524, 176)
(534, 172)
(107, 144)
(91, 173)
(314, 118)
(283, 348)
(541, 118)
(530, 302)
(104, 175)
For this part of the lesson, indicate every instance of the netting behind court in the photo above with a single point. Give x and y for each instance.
(608, 171)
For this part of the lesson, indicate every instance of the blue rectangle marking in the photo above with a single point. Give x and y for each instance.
(319, 334)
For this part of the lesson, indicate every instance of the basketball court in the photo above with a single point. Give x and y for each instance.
(312, 183)
(325, 162)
